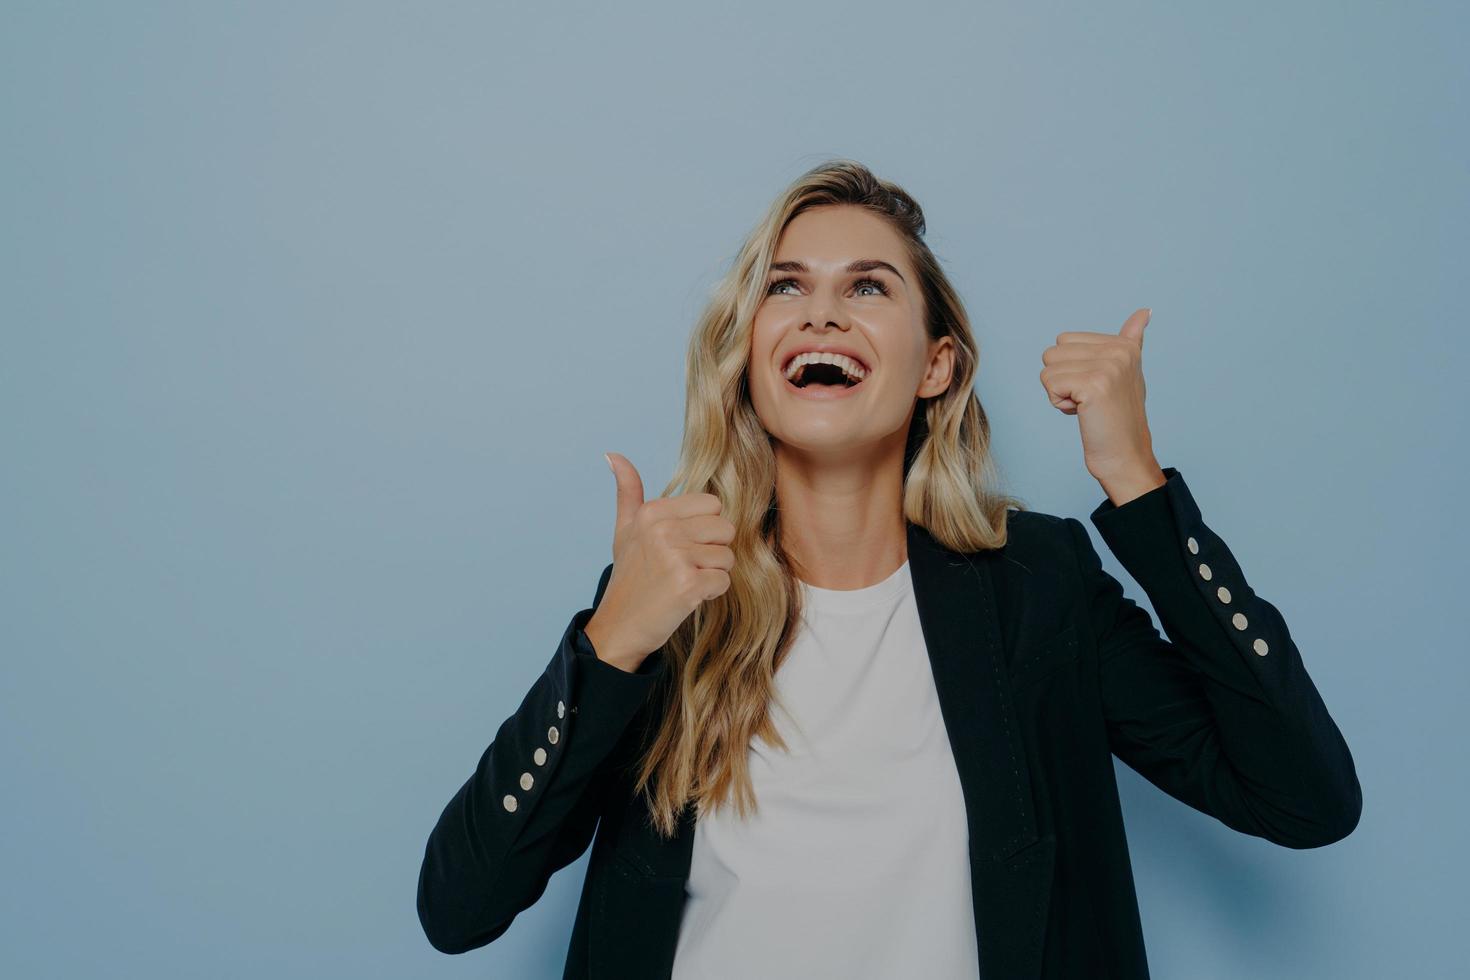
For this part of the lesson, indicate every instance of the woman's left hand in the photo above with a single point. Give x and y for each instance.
(1098, 377)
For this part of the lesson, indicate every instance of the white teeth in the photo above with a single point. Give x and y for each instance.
(850, 367)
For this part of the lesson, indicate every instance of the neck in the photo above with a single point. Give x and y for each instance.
(842, 524)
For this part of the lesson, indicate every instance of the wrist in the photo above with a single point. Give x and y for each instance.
(608, 650)
(1133, 483)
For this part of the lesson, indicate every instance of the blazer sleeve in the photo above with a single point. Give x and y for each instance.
(1222, 716)
(532, 803)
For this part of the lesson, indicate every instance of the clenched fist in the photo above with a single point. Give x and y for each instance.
(669, 555)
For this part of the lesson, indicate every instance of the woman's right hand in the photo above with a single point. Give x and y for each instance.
(669, 555)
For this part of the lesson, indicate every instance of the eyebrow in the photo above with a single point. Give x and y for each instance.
(857, 265)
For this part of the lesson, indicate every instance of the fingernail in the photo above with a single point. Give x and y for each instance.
(609, 463)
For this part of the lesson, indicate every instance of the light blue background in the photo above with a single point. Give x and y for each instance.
(318, 319)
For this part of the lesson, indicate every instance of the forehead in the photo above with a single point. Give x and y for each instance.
(833, 235)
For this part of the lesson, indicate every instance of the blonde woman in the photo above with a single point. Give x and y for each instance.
(840, 708)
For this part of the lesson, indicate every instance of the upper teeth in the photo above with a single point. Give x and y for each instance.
(849, 367)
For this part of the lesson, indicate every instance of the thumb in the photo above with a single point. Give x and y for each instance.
(1133, 326)
(630, 489)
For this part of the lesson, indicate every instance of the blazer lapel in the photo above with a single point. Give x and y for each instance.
(1011, 863)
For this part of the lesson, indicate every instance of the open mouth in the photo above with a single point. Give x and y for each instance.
(823, 376)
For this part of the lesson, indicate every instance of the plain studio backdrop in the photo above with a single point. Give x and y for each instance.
(319, 317)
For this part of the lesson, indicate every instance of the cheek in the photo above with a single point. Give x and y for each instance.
(762, 334)
(762, 350)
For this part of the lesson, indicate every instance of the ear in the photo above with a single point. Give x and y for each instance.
(941, 368)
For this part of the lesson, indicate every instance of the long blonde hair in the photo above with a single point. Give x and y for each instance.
(721, 661)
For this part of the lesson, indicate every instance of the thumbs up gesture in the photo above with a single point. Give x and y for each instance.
(669, 555)
(1098, 377)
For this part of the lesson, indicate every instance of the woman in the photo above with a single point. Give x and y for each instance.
(839, 708)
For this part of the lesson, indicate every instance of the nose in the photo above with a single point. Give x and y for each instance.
(823, 314)
(825, 325)
(824, 309)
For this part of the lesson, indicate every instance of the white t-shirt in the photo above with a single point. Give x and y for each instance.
(857, 863)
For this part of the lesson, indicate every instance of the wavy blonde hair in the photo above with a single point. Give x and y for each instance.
(721, 662)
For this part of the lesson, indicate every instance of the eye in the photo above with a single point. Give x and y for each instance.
(774, 288)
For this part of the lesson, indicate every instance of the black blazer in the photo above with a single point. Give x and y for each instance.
(1044, 670)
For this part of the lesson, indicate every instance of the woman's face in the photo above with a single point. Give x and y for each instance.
(815, 298)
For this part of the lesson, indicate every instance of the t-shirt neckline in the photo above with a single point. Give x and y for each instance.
(853, 600)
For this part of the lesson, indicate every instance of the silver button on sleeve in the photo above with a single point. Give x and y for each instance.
(1204, 571)
(1239, 620)
(510, 802)
(540, 756)
(1193, 546)
(1260, 646)
(526, 780)
(552, 735)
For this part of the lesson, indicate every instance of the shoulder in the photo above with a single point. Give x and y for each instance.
(1030, 520)
(1040, 535)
